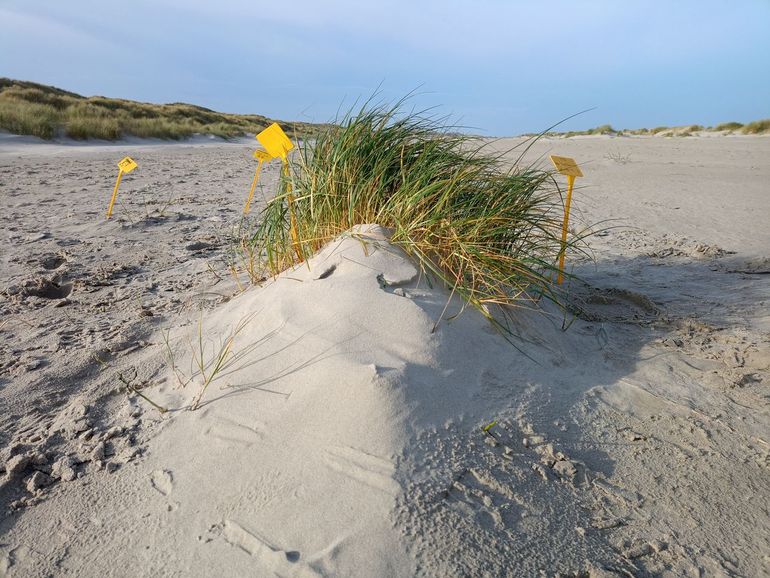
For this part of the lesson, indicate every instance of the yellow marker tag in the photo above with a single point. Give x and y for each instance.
(275, 141)
(127, 165)
(261, 155)
(566, 166)
(489, 426)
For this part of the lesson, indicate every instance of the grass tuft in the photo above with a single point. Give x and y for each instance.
(603, 129)
(729, 126)
(493, 235)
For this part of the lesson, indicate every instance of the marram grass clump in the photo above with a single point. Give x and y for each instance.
(491, 233)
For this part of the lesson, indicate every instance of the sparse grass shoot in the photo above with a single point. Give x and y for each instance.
(211, 362)
(618, 157)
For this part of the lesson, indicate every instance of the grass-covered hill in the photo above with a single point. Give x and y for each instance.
(35, 109)
(755, 127)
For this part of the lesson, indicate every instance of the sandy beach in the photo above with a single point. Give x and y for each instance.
(343, 432)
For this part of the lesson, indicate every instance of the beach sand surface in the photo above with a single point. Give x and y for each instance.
(341, 428)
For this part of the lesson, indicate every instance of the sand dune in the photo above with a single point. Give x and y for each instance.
(344, 434)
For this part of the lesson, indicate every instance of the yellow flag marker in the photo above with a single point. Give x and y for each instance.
(261, 156)
(569, 168)
(275, 141)
(278, 145)
(125, 165)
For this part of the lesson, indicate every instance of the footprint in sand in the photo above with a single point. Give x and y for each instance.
(277, 559)
(163, 481)
(51, 262)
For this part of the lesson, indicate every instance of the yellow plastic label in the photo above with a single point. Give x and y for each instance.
(127, 165)
(275, 141)
(566, 166)
(261, 155)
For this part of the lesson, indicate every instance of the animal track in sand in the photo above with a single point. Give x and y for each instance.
(741, 354)
(493, 504)
(499, 495)
(362, 467)
(231, 431)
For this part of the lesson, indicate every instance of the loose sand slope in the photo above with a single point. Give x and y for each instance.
(343, 437)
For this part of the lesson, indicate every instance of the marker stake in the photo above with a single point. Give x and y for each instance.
(253, 186)
(569, 168)
(262, 156)
(114, 194)
(570, 185)
(292, 215)
(126, 165)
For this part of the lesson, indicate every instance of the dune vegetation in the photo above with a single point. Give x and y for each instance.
(28, 108)
(491, 233)
(756, 127)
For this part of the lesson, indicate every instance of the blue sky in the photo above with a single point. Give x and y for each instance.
(500, 67)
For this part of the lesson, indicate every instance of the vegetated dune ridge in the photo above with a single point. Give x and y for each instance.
(29, 108)
(689, 130)
(344, 435)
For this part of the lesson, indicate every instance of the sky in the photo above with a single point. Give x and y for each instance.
(495, 67)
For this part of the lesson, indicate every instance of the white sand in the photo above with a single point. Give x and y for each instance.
(343, 438)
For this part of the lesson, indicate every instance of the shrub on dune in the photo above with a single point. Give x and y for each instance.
(490, 233)
(729, 126)
(757, 127)
(28, 118)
